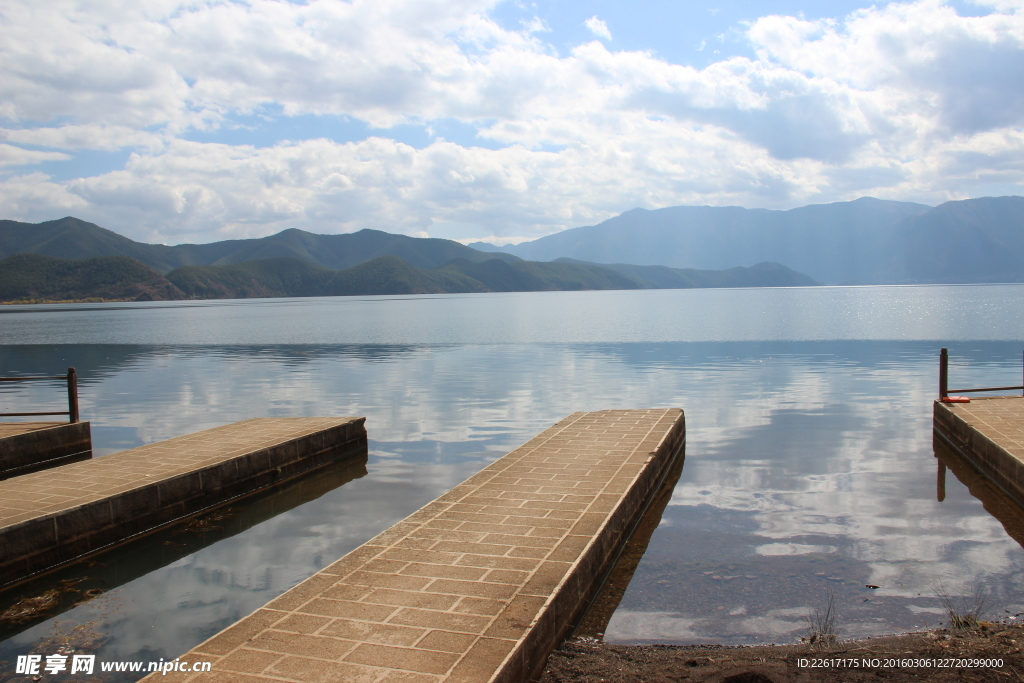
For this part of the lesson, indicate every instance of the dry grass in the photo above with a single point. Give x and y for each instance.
(822, 623)
(966, 614)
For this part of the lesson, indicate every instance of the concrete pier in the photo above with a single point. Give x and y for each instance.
(29, 446)
(129, 561)
(52, 517)
(988, 433)
(477, 586)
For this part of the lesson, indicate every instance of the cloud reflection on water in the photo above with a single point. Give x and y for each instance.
(819, 448)
(824, 477)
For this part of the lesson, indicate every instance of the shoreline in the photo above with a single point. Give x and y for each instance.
(992, 651)
(36, 302)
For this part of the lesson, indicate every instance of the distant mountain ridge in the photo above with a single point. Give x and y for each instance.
(867, 241)
(663, 277)
(973, 240)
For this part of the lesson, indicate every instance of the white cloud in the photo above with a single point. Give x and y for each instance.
(906, 101)
(598, 27)
(497, 241)
(35, 197)
(195, 191)
(947, 73)
(16, 156)
(89, 136)
(64, 60)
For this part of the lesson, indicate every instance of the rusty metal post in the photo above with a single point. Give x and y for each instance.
(72, 395)
(943, 373)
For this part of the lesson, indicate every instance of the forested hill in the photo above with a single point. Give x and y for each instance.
(392, 275)
(33, 277)
(71, 238)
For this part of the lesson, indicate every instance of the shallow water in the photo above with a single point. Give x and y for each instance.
(809, 462)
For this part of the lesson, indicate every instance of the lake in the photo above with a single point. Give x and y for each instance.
(809, 465)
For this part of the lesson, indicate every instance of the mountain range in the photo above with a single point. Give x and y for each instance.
(35, 276)
(866, 241)
(71, 238)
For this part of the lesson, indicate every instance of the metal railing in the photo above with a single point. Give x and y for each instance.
(944, 389)
(72, 380)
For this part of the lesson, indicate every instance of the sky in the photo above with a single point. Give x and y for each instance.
(174, 121)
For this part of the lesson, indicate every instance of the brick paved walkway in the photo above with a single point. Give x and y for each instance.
(8, 429)
(479, 585)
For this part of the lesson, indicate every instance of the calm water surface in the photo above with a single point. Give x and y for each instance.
(809, 460)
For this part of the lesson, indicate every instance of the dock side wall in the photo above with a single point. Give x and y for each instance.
(42, 448)
(992, 460)
(567, 603)
(45, 542)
